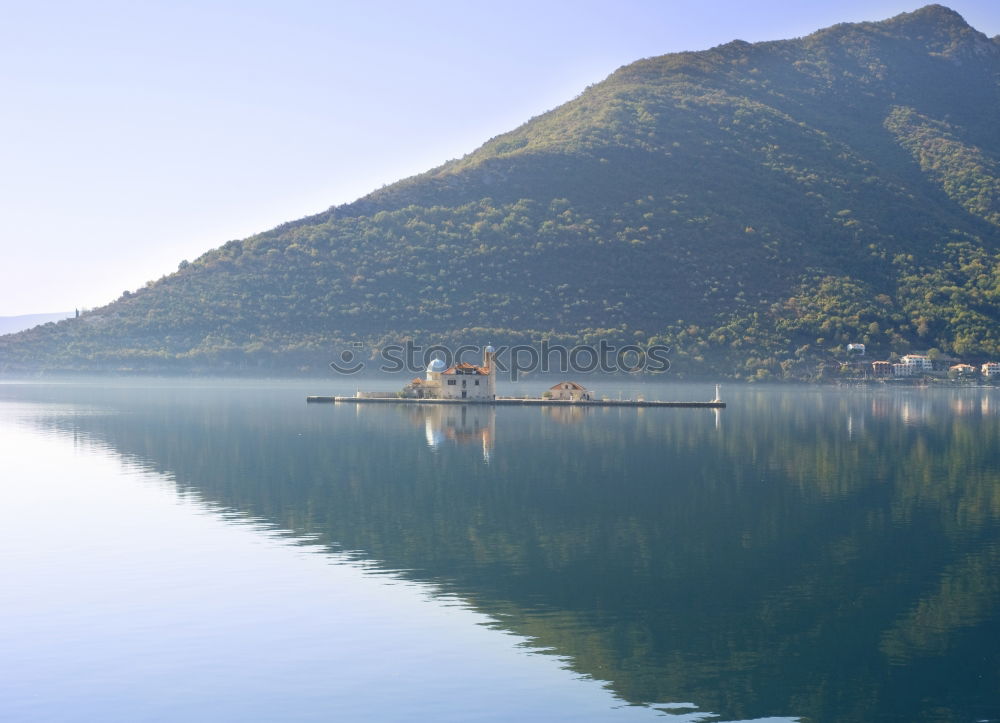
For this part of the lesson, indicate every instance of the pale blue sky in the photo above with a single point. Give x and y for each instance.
(137, 134)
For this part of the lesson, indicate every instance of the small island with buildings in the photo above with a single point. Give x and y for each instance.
(465, 383)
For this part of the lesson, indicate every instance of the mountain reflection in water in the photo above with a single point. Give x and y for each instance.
(827, 554)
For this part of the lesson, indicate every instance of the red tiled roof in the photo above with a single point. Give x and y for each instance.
(467, 369)
(572, 385)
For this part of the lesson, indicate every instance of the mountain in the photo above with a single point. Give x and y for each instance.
(14, 324)
(754, 206)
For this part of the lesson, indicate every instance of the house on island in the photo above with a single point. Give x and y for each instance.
(991, 370)
(460, 381)
(569, 392)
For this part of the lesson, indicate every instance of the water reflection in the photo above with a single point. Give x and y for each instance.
(458, 424)
(826, 554)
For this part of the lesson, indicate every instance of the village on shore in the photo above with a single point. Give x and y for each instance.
(917, 367)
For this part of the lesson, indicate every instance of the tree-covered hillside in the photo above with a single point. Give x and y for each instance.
(756, 207)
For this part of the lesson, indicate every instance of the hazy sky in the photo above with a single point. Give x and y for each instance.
(137, 134)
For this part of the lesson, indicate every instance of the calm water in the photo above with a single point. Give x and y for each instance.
(223, 551)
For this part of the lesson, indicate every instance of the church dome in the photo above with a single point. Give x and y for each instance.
(437, 365)
(490, 350)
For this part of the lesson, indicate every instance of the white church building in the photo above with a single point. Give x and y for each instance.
(461, 381)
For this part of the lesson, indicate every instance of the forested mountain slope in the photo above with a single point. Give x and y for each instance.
(755, 206)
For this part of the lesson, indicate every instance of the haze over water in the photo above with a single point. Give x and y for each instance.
(223, 551)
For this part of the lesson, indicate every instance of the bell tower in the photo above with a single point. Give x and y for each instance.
(491, 380)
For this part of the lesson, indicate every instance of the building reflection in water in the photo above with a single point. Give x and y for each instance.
(565, 415)
(922, 408)
(476, 423)
(971, 405)
(458, 424)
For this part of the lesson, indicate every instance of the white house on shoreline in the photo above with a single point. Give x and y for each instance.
(913, 365)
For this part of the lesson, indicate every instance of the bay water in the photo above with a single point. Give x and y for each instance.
(220, 550)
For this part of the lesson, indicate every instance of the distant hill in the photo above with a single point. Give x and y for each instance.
(13, 324)
(754, 206)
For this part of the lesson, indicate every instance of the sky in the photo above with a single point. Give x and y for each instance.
(136, 134)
